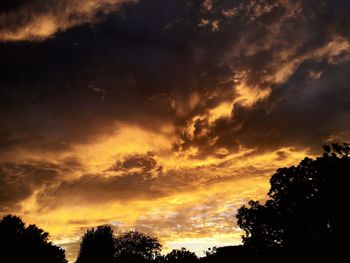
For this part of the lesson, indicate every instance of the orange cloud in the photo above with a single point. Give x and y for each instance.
(190, 200)
(42, 20)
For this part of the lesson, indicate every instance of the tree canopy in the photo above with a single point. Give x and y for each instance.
(98, 245)
(306, 209)
(178, 256)
(136, 247)
(22, 243)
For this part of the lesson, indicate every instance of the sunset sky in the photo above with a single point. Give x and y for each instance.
(163, 116)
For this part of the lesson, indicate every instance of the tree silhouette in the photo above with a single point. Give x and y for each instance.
(227, 254)
(306, 211)
(97, 246)
(178, 256)
(136, 247)
(21, 243)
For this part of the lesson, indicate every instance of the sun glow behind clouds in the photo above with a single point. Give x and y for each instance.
(198, 209)
(199, 196)
(127, 140)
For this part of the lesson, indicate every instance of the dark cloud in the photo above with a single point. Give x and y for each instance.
(87, 71)
(19, 181)
(94, 189)
(145, 163)
(297, 49)
(101, 188)
(125, 69)
(11, 5)
(317, 112)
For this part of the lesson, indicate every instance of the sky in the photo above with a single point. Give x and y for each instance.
(163, 116)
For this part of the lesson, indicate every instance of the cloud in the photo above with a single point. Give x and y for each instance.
(19, 181)
(39, 20)
(142, 177)
(285, 62)
(94, 189)
(101, 188)
(296, 121)
(138, 162)
(194, 199)
(168, 70)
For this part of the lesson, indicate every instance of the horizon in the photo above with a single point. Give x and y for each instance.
(163, 116)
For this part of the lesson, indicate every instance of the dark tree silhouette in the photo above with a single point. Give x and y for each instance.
(136, 247)
(228, 254)
(21, 243)
(306, 212)
(97, 246)
(178, 256)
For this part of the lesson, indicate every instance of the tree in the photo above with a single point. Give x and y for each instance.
(21, 243)
(180, 256)
(97, 246)
(306, 211)
(136, 247)
(227, 254)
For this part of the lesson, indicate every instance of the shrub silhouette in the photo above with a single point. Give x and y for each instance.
(21, 243)
(306, 210)
(98, 245)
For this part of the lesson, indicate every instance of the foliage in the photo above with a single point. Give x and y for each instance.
(178, 256)
(98, 245)
(305, 211)
(21, 243)
(136, 247)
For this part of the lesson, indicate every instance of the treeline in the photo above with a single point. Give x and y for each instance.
(100, 245)
(304, 219)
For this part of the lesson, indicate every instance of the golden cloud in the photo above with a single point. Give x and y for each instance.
(36, 21)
